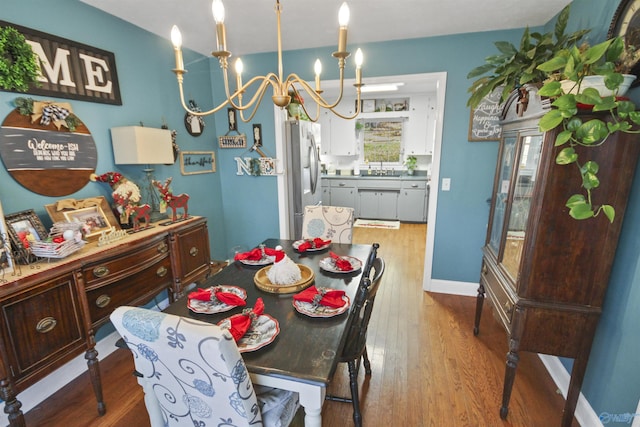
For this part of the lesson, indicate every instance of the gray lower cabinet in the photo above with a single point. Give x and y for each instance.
(343, 193)
(378, 204)
(326, 193)
(412, 201)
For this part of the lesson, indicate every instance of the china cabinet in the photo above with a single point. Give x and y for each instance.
(546, 274)
(50, 311)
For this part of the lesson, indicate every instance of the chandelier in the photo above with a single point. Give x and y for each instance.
(283, 89)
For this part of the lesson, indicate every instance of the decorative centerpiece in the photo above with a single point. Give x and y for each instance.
(126, 194)
(284, 276)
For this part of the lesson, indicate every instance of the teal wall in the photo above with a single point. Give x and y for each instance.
(149, 95)
(242, 210)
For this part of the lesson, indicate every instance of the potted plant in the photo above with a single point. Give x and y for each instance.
(606, 60)
(513, 67)
(18, 64)
(411, 163)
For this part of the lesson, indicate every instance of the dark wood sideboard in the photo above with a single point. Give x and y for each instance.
(50, 312)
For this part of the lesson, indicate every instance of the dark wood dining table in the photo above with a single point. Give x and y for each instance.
(304, 355)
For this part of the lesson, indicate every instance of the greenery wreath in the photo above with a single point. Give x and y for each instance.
(18, 66)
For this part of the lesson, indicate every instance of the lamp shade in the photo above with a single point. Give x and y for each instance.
(137, 145)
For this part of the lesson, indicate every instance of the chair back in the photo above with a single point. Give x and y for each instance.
(192, 372)
(361, 310)
(333, 223)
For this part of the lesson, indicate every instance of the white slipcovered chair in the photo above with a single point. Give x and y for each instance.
(192, 374)
(333, 223)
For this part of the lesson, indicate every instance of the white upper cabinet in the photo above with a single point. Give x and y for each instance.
(420, 129)
(338, 134)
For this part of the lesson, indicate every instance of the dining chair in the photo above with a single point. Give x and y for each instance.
(192, 373)
(333, 223)
(355, 349)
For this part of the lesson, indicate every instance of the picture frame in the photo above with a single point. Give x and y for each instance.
(6, 260)
(368, 105)
(67, 210)
(24, 227)
(484, 121)
(196, 162)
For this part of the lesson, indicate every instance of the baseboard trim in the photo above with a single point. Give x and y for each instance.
(40, 391)
(585, 415)
(451, 287)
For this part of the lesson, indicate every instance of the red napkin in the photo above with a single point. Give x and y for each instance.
(225, 297)
(312, 244)
(342, 264)
(240, 323)
(327, 297)
(256, 254)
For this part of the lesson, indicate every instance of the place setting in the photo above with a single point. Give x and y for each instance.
(340, 264)
(216, 299)
(321, 302)
(252, 329)
(259, 256)
(311, 245)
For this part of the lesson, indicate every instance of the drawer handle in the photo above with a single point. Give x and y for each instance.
(161, 271)
(341, 184)
(103, 300)
(100, 271)
(193, 251)
(46, 325)
(414, 185)
(163, 247)
(508, 308)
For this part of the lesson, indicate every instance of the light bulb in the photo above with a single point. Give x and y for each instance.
(317, 67)
(359, 58)
(176, 37)
(217, 8)
(239, 66)
(343, 15)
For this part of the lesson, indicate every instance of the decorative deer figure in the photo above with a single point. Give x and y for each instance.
(139, 212)
(174, 202)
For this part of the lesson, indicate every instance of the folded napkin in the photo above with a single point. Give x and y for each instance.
(342, 264)
(240, 323)
(216, 292)
(256, 254)
(312, 244)
(322, 296)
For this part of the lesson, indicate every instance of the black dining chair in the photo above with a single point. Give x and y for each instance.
(355, 349)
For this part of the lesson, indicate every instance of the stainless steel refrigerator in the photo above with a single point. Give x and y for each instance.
(302, 145)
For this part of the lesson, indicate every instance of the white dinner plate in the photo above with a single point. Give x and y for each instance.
(211, 307)
(297, 244)
(311, 310)
(261, 332)
(268, 259)
(329, 264)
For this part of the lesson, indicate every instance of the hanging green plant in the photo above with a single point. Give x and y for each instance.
(18, 64)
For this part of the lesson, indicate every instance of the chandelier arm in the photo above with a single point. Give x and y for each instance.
(198, 113)
(258, 94)
(262, 90)
(317, 98)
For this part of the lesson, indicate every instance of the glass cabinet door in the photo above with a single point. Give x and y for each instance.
(502, 191)
(525, 178)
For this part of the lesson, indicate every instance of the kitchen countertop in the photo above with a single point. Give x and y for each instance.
(417, 176)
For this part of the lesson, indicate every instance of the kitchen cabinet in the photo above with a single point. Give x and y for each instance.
(338, 135)
(49, 314)
(545, 273)
(378, 198)
(420, 129)
(326, 192)
(412, 201)
(343, 193)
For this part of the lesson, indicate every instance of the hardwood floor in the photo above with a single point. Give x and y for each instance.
(428, 368)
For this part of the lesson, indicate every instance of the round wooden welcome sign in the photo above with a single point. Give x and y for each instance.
(47, 159)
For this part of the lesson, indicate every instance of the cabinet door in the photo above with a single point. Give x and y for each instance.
(343, 137)
(420, 127)
(368, 204)
(343, 196)
(412, 205)
(43, 326)
(388, 204)
(530, 147)
(190, 255)
(326, 195)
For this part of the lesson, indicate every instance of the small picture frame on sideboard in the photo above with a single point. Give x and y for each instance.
(6, 259)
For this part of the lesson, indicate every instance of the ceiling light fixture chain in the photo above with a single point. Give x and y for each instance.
(281, 87)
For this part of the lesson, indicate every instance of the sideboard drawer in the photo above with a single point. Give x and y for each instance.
(123, 265)
(43, 326)
(502, 302)
(135, 289)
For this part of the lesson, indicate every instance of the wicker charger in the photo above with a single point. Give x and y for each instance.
(263, 283)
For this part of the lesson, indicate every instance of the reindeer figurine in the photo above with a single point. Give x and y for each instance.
(139, 212)
(174, 202)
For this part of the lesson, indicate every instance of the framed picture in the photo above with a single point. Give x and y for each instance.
(6, 261)
(93, 219)
(24, 227)
(195, 162)
(368, 105)
(95, 210)
(484, 122)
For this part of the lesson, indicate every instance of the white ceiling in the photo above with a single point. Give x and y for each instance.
(251, 24)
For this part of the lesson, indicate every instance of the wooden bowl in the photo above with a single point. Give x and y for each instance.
(263, 283)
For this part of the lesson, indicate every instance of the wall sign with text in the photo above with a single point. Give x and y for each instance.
(194, 162)
(72, 70)
(484, 123)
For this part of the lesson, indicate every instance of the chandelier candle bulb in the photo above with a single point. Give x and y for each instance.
(176, 39)
(359, 59)
(343, 21)
(317, 67)
(217, 8)
(239, 68)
